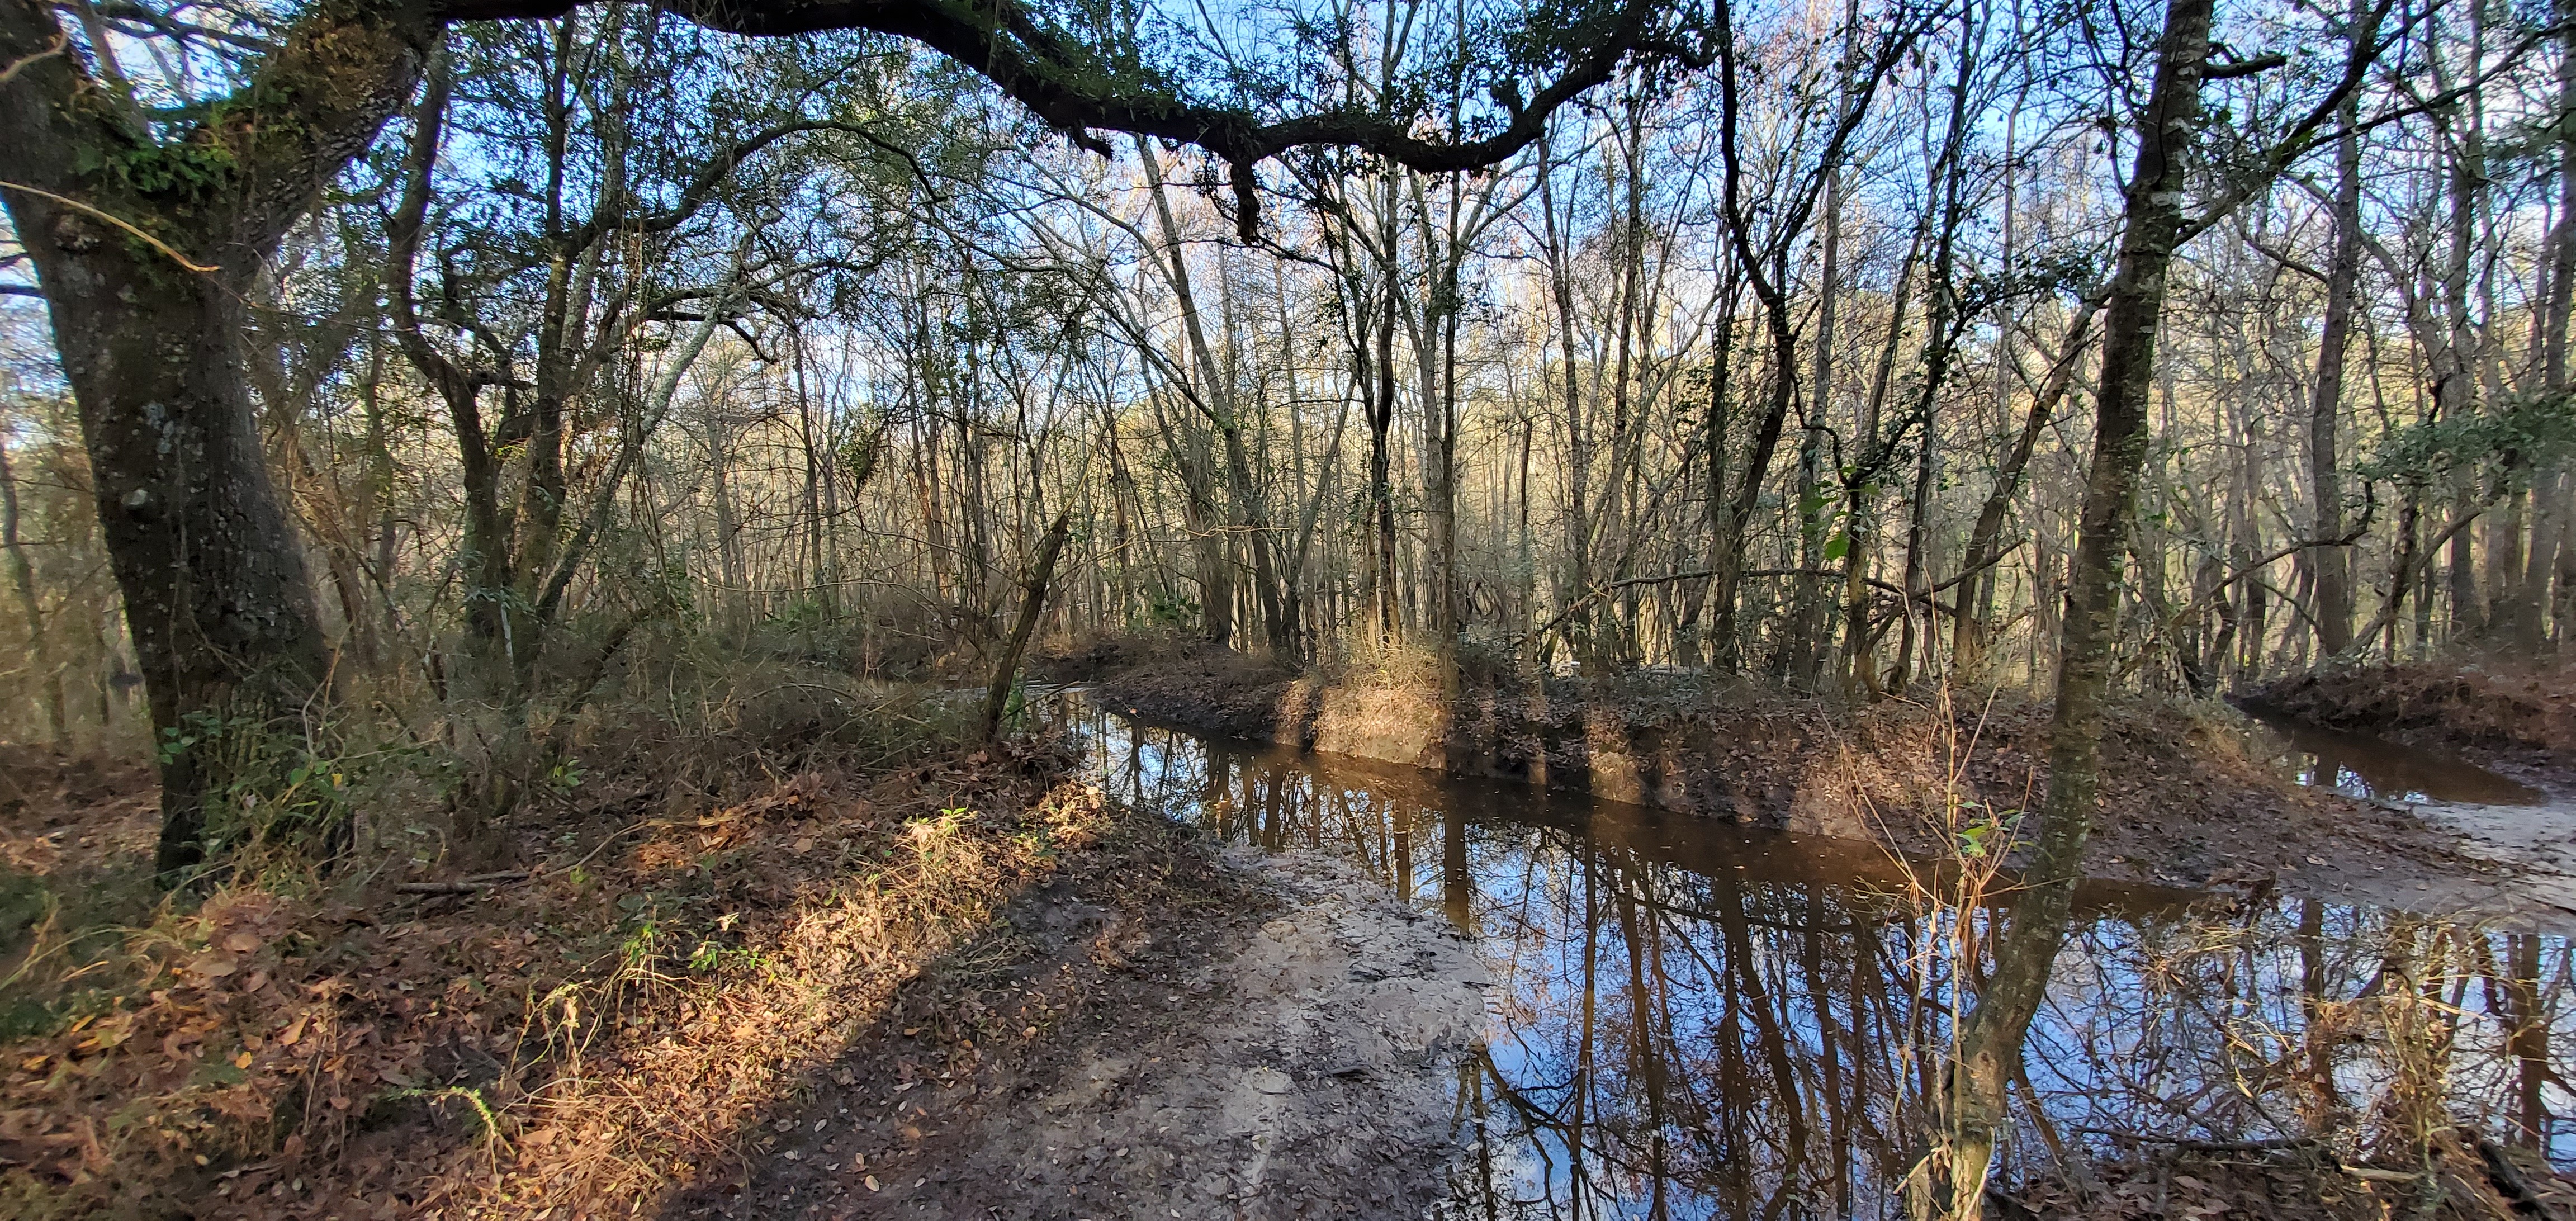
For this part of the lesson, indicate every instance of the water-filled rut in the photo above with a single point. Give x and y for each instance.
(1693, 1019)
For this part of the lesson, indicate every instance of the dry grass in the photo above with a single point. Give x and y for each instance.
(682, 956)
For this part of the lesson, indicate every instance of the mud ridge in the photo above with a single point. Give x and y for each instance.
(2186, 801)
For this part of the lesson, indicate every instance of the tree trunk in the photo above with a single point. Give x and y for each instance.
(225, 629)
(1578, 441)
(2333, 565)
(1810, 632)
(1033, 595)
(1990, 1043)
(1381, 418)
(2553, 544)
(1441, 491)
(48, 687)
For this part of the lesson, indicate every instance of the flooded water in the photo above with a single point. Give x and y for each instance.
(2376, 769)
(1695, 1020)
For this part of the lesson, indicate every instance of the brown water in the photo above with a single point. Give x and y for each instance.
(2380, 770)
(1698, 1020)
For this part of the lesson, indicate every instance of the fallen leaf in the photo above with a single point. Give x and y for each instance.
(243, 942)
(214, 966)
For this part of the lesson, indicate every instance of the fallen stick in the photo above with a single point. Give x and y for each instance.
(474, 885)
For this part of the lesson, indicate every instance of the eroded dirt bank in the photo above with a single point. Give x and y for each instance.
(2507, 715)
(2187, 800)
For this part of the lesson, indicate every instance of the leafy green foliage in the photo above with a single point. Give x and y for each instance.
(268, 786)
(1989, 832)
(2495, 447)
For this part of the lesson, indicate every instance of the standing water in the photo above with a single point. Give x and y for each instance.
(2375, 769)
(1694, 1019)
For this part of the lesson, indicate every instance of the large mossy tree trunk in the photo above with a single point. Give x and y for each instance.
(147, 249)
(1989, 1044)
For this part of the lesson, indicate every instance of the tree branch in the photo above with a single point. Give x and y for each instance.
(1074, 88)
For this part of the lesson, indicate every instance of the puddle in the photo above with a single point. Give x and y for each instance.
(1692, 1019)
(2375, 769)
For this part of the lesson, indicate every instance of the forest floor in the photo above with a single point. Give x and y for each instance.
(963, 987)
(2190, 795)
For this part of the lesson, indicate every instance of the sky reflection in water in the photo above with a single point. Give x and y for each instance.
(1696, 1020)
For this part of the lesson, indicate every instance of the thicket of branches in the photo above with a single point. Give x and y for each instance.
(1771, 354)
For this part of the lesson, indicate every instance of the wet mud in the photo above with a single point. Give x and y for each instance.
(1248, 1034)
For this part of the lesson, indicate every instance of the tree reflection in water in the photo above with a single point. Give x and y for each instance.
(1694, 1020)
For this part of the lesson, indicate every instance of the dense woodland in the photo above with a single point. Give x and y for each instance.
(440, 371)
(623, 330)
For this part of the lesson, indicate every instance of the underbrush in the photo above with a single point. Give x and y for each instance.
(708, 896)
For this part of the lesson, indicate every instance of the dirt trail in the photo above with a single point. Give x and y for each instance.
(2537, 842)
(1289, 1048)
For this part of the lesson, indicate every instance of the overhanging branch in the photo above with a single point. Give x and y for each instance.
(1071, 87)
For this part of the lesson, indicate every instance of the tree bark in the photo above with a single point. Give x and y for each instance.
(2333, 565)
(1990, 1043)
(1033, 595)
(48, 685)
(148, 316)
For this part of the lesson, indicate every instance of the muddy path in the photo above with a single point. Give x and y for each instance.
(1181, 1034)
(2535, 844)
(1296, 986)
(2508, 824)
